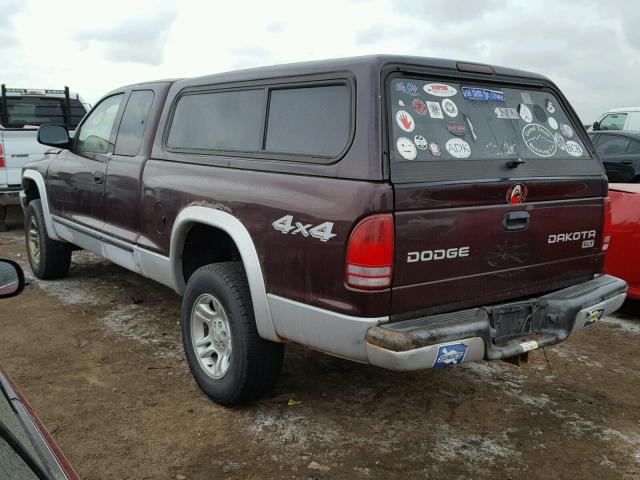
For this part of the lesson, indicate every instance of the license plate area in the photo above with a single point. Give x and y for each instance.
(510, 321)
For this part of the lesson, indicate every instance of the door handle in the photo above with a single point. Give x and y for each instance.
(516, 220)
(98, 177)
(626, 162)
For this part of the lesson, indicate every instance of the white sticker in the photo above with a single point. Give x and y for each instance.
(440, 90)
(421, 142)
(405, 121)
(550, 106)
(458, 148)
(525, 113)
(528, 346)
(449, 107)
(526, 97)
(559, 141)
(434, 110)
(552, 123)
(401, 103)
(573, 149)
(509, 113)
(406, 148)
(539, 140)
(566, 130)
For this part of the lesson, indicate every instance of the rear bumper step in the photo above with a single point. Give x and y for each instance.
(493, 332)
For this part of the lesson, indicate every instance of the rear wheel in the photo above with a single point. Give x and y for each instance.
(230, 362)
(48, 258)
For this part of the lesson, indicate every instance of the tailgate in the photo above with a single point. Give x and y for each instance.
(497, 193)
(20, 147)
(466, 255)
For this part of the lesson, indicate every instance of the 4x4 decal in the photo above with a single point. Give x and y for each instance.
(287, 225)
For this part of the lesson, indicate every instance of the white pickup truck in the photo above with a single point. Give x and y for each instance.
(22, 111)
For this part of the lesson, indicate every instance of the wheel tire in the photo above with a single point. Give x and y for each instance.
(254, 363)
(48, 258)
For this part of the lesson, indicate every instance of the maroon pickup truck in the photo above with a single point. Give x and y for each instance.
(403, 212)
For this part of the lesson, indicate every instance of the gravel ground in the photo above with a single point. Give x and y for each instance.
(99, 356)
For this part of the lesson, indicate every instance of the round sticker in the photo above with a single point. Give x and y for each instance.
(573, 149)
(457, 128)
(525, 113)
(552, 123)
(550, 106)
(434, 148)
(458, 148)
(539, 140)
(566, 130)
(449, 107)
(406, 148)
(439, 90)
(559, 140)
(420, 107)
(421, 142)
(405, 121)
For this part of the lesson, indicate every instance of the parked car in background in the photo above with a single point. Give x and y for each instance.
(623, 256)
(22, 111)
(27, 450)
(464, 219)
(625, 118)
(620, 154)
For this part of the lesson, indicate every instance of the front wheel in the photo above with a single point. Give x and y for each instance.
(230, 362)
(48, 258)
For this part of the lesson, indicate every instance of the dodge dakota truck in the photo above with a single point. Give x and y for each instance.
(403, 212)
(22, 111)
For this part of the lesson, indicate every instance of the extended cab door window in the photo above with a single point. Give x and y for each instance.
(95, 132)
(611, 144)
(134, 123)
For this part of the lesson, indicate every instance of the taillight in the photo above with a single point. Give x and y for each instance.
(606, 229)
(1, 156)
(370, 253)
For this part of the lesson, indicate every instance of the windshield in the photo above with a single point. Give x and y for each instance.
(464, 121)
(25, 112)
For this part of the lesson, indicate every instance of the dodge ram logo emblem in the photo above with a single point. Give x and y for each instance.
(517, 194)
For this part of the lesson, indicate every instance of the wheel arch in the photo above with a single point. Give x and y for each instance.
(30, 178)
(214, 217)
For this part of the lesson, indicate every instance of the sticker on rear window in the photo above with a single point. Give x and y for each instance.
(406, 148)
(434, 110)
(552, 123)
(509, 113)
(566, 130)
(573, 149)
(525, 113)
(419, 106)
(539, 140)
(449, 107)
(439, 90)
(559, 141)
(405, 121)
(407, 88)
(482, 94)
(457, 128)
(550, 106)
(458, 148)
(421, 142)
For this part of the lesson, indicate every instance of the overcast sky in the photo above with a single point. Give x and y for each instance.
(590, 48)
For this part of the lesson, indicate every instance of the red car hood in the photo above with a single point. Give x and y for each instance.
(625, 187)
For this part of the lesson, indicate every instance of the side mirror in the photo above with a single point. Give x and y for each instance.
(595, 126)
(11, 279)
(54, 135)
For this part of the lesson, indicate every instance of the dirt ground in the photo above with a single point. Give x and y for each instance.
(99, 356)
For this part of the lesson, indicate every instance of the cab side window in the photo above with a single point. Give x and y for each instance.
(95, 132)
(613, 121)
(611, 144)
(134, 123)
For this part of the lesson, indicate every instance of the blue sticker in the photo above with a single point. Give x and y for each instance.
(592, 317)
(482, 94)
(407, 88)
(450, 355)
